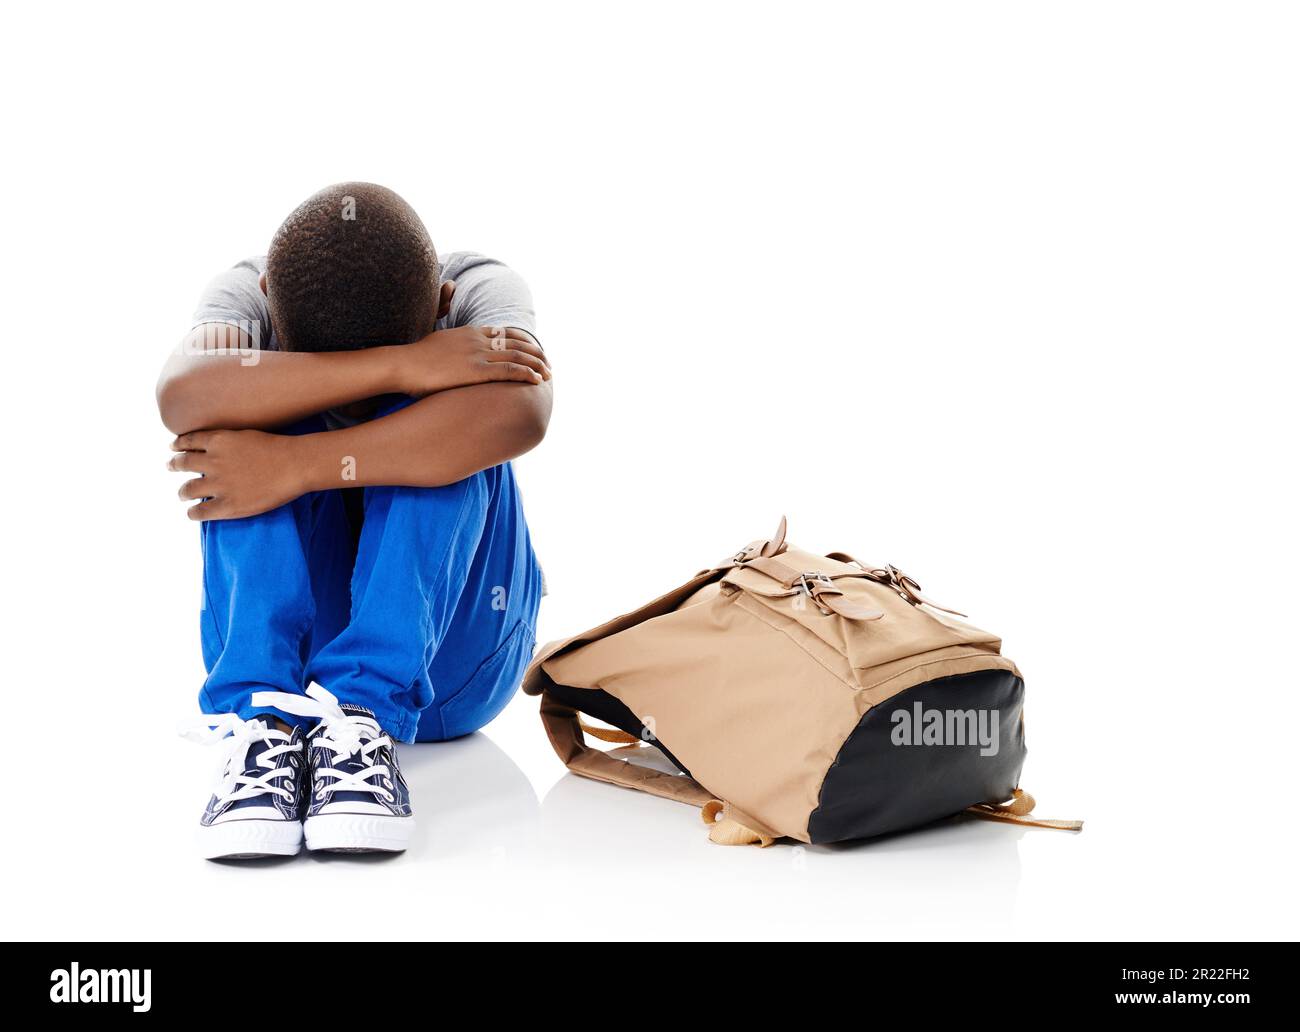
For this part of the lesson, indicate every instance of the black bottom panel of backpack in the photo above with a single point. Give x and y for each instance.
(929, 752)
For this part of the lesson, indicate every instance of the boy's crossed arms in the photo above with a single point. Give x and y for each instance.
(472, 414)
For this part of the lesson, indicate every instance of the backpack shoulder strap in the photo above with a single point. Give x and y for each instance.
(727, 826)
(566, 734)
(1020, 811)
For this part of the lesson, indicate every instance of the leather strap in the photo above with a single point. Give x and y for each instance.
(776, 543)
(895, 578)
(608, 734)
(773, 546)
(875, 572)
(786, 575)
(727, 825)
(911, 591)
(1017, 812)
(815, 585)
(565, 732)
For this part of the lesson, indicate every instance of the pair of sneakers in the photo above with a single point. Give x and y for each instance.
(337, 787)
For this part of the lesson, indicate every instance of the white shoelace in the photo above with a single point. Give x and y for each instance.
(238, 736)
(344, 734)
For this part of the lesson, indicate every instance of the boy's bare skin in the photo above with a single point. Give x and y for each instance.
(485, 398)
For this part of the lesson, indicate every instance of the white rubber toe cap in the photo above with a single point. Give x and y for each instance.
(359, 832)
(248, 838)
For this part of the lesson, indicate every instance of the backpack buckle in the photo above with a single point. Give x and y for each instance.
(830, 599)
(745, 555)
(813, 583)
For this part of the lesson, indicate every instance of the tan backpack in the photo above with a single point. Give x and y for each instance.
(804, 696)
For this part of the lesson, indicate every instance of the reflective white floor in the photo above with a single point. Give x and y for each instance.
(502, 854)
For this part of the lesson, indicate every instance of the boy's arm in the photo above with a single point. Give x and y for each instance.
(216, 379)
(437, 440)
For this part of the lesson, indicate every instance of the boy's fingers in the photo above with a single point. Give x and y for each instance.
(524, 341)
(519, 339)
(188, 462)
(515, 333)
(516, 371)
(522, 358)
(199, 487)
(196, 441)
(208, 510)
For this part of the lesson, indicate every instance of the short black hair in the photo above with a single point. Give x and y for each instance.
(352, 267)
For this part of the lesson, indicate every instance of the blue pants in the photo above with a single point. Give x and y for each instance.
(426, 614)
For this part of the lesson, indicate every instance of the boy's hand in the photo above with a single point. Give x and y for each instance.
(468, 355)
(245, 472)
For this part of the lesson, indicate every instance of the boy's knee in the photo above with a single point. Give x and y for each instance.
(263, 525)
(447, 501)
(277, 531)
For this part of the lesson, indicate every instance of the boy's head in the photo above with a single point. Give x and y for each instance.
(351, 267)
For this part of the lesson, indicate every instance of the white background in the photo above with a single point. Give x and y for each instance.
(1004, 293)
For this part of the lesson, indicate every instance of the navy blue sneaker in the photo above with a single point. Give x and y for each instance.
(257, 806)
(359, 802)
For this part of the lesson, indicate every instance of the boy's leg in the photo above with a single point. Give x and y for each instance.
(416, 549)
(443, 577)
(490, 639)
(274, 586)
(275, 589)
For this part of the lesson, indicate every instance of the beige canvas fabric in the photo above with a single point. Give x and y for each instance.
(709, 666)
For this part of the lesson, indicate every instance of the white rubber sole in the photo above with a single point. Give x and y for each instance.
(358, 833)
(249, 839)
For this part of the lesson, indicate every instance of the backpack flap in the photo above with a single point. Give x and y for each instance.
(536, 679)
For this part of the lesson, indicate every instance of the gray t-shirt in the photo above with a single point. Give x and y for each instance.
(488, 293)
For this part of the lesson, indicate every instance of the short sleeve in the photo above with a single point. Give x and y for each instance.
(488, 293)
(235, 297)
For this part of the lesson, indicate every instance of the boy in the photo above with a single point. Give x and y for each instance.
(351, 405)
